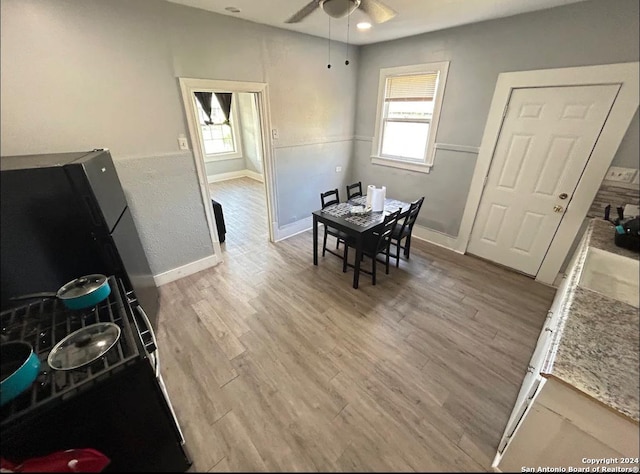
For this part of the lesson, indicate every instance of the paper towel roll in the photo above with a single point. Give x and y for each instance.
(377, 198)
(370, 189)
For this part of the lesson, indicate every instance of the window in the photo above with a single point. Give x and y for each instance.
(219, 139)
(409, 101)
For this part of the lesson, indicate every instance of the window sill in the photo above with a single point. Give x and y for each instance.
(417, 167)
(222, 157)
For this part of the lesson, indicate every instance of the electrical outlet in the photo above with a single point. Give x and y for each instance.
(624, 175)
(338, 169)
(274, 134)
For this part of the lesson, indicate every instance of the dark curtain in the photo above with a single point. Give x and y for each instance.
(204, 98)
(224, 99)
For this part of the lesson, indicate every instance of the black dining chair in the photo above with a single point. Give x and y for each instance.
(402, 231)
(378, 242)
(327, 199)
(354, 190)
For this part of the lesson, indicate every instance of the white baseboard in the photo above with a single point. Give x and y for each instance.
(436, 238)
(214, 178)
(255, 175)
(185, 270)
(294, 228)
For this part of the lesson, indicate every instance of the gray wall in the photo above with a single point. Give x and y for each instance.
(628, 154)
(585, 33)
(168, 180)
(225, 166)
(310, 105)
(80, 74)
(318, 162)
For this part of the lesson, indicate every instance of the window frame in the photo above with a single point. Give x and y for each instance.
(235, 132)
(425, 165)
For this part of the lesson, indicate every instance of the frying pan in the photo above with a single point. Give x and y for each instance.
(19, 368)
(81, 293)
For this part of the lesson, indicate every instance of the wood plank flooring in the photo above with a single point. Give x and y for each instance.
(273, 364)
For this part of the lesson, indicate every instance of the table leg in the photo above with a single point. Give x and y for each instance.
(315, 240)
(356, 266)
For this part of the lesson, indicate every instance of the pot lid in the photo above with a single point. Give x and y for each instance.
(83, 346)
(81, 286)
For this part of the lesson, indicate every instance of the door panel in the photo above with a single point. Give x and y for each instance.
(528, 232)
(494, 222)
(546, 140)
(512, 166)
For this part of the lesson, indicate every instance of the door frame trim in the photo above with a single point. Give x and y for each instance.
(614, 129)
(261, 89)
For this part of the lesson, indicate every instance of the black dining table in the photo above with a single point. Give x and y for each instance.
(339, 217)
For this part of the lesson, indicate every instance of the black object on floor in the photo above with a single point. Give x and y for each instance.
(217, 212)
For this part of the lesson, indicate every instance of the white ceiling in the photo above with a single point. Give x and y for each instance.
(414, 16)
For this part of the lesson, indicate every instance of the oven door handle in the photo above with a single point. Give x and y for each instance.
(148, 338)
(155, 357)
(146, 331)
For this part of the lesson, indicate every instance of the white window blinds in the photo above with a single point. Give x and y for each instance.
(418, 87)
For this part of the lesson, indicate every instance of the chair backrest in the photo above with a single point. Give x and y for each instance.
(330, 197)
(384, 234)
(354, 190)
(412, 215)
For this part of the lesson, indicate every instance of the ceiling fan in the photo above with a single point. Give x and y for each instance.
(376, 10)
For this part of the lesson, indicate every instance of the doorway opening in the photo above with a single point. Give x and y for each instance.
(227, 121)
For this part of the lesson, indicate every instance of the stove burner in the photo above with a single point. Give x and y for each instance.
(42, 324)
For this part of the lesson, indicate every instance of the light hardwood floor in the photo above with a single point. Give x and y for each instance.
(273, 364)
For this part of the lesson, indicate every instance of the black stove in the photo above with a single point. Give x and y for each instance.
(116, 404)
(43, 324)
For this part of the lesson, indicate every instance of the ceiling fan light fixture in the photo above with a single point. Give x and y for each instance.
(363, 25)
(339, 8)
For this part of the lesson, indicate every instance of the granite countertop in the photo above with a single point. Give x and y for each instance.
(602, 233)
(596, 348)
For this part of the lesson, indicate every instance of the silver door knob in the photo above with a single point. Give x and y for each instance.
(563, 196)
(558, 208)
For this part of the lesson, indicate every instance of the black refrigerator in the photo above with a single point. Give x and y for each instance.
(66, 215)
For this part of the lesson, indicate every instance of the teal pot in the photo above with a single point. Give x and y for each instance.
(19, 368)
(84, 292)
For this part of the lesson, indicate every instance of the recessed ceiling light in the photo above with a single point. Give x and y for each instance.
(233, 9)
(363, 25)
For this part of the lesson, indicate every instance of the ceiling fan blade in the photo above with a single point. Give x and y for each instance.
(377, 11)
(304, 12)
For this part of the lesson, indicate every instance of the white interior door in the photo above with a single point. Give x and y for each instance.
(545, 142)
